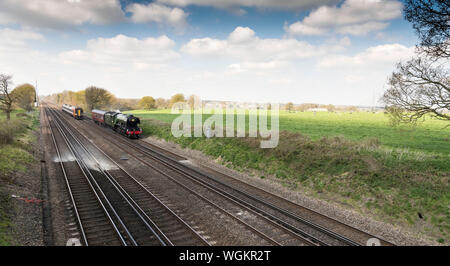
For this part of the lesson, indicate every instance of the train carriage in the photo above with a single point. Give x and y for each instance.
(98, 116)
(74, 111)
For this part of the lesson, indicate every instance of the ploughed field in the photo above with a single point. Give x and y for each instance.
(397, 174)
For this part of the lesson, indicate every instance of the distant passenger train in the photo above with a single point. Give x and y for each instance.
(127, 125)
(76, 112)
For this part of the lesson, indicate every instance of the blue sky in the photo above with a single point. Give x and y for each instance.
(323, 51)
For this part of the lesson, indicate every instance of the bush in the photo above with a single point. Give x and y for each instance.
(22, 115)
(9, 129)
(13, 159)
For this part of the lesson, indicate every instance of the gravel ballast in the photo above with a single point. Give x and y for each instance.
(392, 233)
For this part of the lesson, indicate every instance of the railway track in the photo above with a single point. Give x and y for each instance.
(95, 223)
(290, 208)
(137, 216)
(305, 225)
(316, 227)
(271, 232)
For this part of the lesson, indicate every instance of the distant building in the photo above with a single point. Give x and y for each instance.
(370, 109)
(317, 110)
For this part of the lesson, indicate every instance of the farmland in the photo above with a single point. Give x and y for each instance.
(398, 174)
(429, 136)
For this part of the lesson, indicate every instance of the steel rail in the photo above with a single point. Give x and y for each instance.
(86, 168)
(89, 182)
(176, 166)
(291, 230)
(159, 234)
(318, 227)
(263, 191)
(234, 198)
(149, 193)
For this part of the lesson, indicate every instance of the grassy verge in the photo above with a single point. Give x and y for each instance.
(16, 137)
(5, 222)
(399, 185)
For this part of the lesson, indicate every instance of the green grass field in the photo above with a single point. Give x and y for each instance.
(357, 160)
(429, 136)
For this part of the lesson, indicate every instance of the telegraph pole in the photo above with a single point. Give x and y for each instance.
(36, 98)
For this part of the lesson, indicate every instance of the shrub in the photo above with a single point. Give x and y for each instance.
(22, 115)
(13, 159)
(9, 129)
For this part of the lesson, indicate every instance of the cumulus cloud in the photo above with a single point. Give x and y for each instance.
(122, 51)
(18, 58)
(381, 55)
(230, 4)
(15, 50)
(13, 39)
(60, 13)
(255, 67)
(245, 52)
(154, 12)
(355, 17)
(243, 44)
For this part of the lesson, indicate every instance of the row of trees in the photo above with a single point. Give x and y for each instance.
(290, 107)
(148, 102)
(90, 98)
(22, 96)
(98, 98)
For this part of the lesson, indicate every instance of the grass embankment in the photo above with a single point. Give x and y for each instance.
(359, 160)
(16, 137)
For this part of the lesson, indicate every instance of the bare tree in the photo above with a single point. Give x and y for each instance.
(6, 100)
(162, 103)
(431, 20)
(421, 85)
(417, 88)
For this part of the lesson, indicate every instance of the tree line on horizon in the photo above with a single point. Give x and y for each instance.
(98, 98)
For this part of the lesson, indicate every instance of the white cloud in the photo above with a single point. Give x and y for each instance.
(158, 13)
(15, 39)
(60, 13)
(255, 67)
(301, 28)
(243, 45)
(245, 52)
(355, 17)
(251, 68)
(379, 56)
(18, 58)
(122, 50)
(233, 4)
